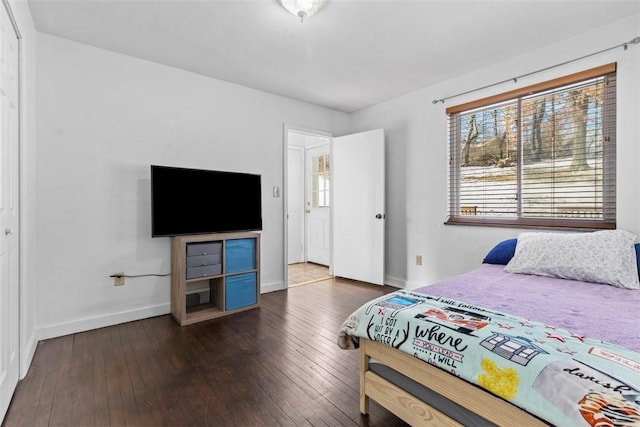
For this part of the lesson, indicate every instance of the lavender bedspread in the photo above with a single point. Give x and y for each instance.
(593, 310)
(565, 351)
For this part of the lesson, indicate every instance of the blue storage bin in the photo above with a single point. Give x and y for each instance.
(240, 290)
(240, 255)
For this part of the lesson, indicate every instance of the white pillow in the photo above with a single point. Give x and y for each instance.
(606, 256)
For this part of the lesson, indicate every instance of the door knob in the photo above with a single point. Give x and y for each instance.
(379, 216)
(7, 231)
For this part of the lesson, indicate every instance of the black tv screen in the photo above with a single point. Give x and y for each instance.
(196, 201)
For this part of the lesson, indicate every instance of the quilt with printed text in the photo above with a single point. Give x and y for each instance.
(563, 378)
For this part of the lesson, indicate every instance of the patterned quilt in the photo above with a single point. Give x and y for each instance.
(563, 378)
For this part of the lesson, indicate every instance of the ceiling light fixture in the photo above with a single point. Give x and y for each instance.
(303, 8)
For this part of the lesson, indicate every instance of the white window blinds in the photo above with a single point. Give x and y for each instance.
(541, 156)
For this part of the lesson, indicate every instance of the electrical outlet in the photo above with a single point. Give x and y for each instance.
(118, 279)
(418, 259)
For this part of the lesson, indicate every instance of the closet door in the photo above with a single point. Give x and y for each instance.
(9, 209)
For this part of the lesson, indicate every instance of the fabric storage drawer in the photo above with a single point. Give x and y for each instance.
(240, 255)
(199, 260)
(240, 290)
(207, 248)
(204, 271)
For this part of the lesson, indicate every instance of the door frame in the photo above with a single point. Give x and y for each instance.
(295, 195)
(21, 362)
(285, 197)
(26, 350)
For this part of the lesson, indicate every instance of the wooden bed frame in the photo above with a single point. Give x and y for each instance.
(415, 412)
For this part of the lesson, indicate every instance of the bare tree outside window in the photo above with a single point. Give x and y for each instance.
(544, 158)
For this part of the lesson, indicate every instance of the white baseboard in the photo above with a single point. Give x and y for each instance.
(26, 355)
(395, 282)
(87, 324)
(271, 287)
(96, 322)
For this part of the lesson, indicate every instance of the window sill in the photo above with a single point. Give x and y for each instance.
(545, 224)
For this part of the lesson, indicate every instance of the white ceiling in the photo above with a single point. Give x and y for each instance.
(351, 55)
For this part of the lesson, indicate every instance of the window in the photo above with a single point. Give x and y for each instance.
(540, 156)
(320, 183)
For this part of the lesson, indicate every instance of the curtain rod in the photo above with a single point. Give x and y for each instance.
(515, 79)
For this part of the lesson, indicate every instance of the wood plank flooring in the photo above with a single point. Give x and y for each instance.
(304, 273)
(278, 365)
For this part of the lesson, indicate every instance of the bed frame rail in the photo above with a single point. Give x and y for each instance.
(415, 412)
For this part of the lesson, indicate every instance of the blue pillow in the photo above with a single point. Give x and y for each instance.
(503, 252)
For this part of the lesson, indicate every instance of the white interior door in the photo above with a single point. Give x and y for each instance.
(358, 167)
(318, 183)
(9, 210)
(295, 205)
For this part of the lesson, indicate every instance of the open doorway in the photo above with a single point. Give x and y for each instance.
(303, 273)
(308, 205)
(334, 203)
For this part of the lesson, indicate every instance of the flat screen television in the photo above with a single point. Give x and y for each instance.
(197, 201)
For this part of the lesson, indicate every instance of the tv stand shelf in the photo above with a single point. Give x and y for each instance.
(213, 275)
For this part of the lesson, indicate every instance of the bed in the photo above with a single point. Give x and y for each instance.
(511, 343)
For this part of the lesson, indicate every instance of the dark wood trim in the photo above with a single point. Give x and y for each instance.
(538, 87)
(549, 224)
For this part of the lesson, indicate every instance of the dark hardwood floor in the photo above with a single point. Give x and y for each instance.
(275, 365)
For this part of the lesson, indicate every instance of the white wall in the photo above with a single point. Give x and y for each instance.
(103, 118)
(416, 131)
